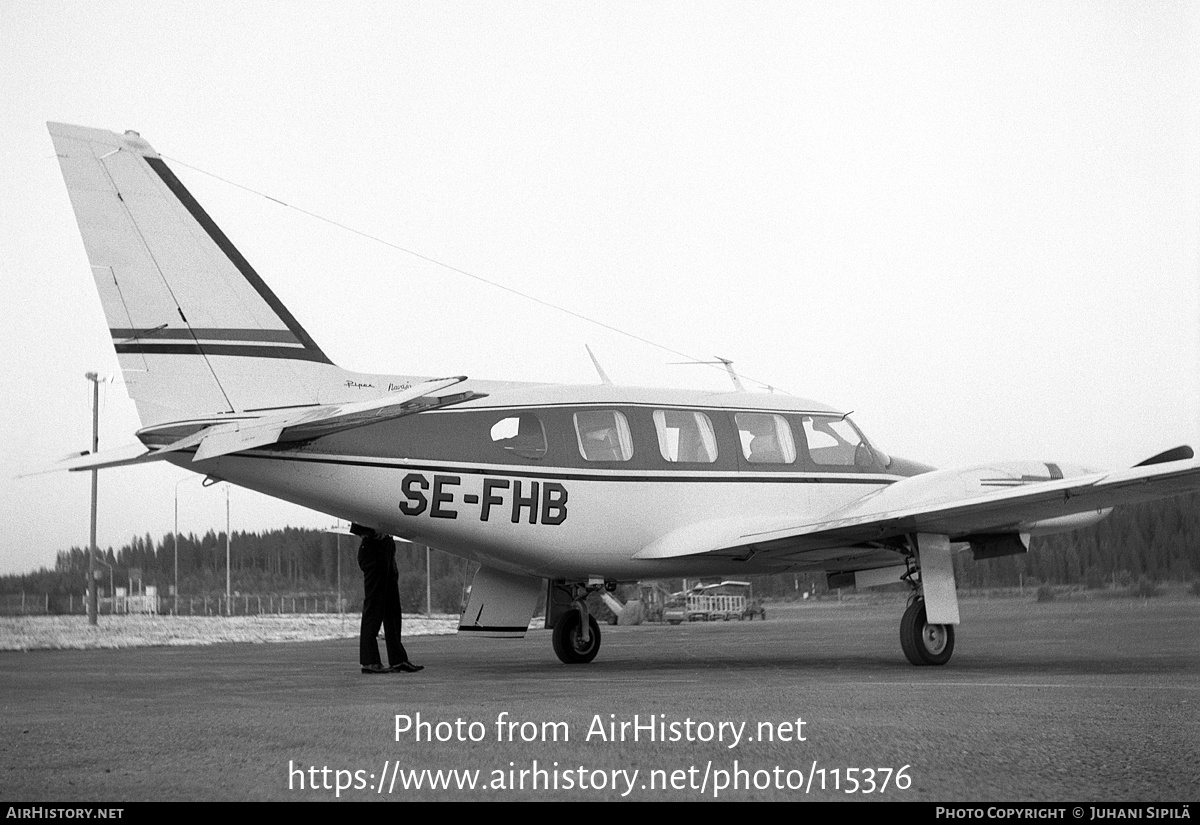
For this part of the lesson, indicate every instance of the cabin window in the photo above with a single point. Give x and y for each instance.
(685, 436)
(603, 435)
(766, 438)
(834, 442)
(521, 434)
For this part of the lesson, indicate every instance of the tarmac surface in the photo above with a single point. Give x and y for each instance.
(1052, 702)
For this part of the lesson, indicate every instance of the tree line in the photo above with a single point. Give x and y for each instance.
(1157, 542)
(293, 562)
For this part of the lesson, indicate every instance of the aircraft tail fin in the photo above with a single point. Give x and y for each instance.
(197, 331)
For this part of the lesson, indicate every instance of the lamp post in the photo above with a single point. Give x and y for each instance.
(91, 594)
(208, 482)
(227, 537)
(336, 529)
(176, 603)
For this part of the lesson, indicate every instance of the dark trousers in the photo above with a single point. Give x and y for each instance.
(381, 601)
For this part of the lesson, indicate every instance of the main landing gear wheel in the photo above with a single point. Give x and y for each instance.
(924, 643)
(568, 640)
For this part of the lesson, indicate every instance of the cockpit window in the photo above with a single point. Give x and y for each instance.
(603, 435)
(766, 438)
(835, 442)
(685, 436)
(522, 434)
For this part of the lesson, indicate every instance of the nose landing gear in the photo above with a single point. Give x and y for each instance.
(930, 574)
(924, 643)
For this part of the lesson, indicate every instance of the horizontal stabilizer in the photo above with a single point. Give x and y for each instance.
(337, 417)
(116, 457)
(225, 437)
(234, 436)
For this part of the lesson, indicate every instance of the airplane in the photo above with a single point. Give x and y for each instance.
(562, 490)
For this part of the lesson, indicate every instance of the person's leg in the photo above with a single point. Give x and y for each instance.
(374, 602)
(393, 625)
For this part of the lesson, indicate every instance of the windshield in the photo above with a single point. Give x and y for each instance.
(834, 441)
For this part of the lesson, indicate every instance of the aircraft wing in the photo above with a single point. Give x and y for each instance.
(944, 502)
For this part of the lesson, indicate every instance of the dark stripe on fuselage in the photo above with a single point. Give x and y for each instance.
(197, 211)
(590, 405)
(236, 350)
(260, 336)
(565, 475)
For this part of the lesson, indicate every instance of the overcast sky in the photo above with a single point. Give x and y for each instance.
(977, 225)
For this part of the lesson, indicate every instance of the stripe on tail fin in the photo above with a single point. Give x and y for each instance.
(196, 330)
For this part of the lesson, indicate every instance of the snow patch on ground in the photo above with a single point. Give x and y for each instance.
(74, 633)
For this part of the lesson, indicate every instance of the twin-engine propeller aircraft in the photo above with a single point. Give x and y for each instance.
(570, 489)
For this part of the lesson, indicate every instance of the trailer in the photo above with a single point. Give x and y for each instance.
(712, 602)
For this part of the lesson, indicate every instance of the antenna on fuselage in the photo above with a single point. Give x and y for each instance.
(737, 382)
(604, 379)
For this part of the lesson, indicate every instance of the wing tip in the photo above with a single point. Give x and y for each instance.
(1181, 453)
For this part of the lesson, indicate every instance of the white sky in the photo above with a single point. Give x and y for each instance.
(975, 224)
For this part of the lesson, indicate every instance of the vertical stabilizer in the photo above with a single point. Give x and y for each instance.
(196, 330)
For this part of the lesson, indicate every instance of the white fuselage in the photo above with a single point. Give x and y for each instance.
(438, 478)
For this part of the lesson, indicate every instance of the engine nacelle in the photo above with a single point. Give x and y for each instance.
(1062, 524)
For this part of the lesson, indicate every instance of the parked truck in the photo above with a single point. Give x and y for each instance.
(713, 602)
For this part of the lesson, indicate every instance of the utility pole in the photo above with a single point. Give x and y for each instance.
(176, 602)
(227, 536)
(92, 550)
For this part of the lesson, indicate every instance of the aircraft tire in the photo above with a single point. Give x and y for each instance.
(567, 643)
(924, 643)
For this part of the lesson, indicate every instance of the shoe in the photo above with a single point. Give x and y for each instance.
(406, 667)
(376, 668)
